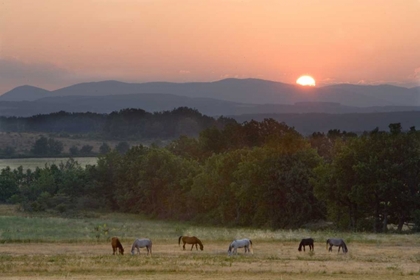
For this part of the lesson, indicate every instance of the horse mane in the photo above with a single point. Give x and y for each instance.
(179, 240)
(199, 243)
(119, 245)
(345, 246)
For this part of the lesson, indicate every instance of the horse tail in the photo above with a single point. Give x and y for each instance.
(327, 243)
(179, 240)
(230, 247)
(250, 242)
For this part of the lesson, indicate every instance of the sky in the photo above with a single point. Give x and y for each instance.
(52, 44)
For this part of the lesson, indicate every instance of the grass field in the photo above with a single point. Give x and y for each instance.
(23, 142)
(48, 247)
(32, 163)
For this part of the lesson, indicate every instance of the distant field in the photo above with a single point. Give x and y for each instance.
(32, 163)
(24, 141)
(48, 247)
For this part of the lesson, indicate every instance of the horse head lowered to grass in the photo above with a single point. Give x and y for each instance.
(306, 242)
(241, 243)
(116, 244)
(142, 243)
(190, 240)
(337, 242)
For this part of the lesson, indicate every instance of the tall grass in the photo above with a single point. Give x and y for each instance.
(79, 248)
(93, 227)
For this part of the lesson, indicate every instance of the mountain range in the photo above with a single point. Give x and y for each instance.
(224, 97)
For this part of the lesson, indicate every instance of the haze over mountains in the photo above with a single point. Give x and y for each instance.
(225, 97)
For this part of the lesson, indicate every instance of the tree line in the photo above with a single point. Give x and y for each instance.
(259, 174)
(125, 124)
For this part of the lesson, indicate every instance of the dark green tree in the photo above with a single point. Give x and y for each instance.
(122, 147)
(74, 150)
(41, 146)
(86, 150)
(104, 148)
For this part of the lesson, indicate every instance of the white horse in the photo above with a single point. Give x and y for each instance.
(141, 243)
(242, 243)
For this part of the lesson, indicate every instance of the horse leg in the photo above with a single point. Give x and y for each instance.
(330, 249)
(304, 248)
(183, 246)
(192, 247)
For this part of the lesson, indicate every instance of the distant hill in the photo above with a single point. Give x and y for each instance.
(162, 102)
(25, 93)
(246, 91)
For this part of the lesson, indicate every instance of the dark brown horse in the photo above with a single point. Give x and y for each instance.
(115, 243)
(306, 242)
(190, 240)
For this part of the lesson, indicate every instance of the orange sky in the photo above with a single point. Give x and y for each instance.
(50, 43)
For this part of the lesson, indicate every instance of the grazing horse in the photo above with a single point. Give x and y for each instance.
(305, 242)
(115, 243)
(337, 242)
(190, 240)
(141, 243)
(242, 243)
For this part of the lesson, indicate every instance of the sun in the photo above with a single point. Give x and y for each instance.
(306, 81)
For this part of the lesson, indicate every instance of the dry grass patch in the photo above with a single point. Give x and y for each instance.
(270, 259)
(48, 247)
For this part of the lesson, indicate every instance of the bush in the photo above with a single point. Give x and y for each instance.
(74, 150)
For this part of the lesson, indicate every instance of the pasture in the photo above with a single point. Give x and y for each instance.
(48, 247)
(32, 163)
(23, 142)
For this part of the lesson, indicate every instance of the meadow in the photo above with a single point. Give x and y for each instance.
(32, 163)
(43, 246)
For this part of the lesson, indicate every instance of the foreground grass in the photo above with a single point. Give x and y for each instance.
(46, 247)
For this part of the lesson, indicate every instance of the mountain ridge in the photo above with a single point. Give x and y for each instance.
(252, 91)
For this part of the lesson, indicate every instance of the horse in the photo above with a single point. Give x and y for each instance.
(337, 242)
(190, 240)
(242, 243)
(115, 243)
(305, 242)
(141, 243)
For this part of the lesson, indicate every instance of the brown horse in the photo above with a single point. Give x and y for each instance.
(190, 240)
(115, 243)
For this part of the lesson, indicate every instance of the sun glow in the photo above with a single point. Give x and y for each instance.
(306, 81)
